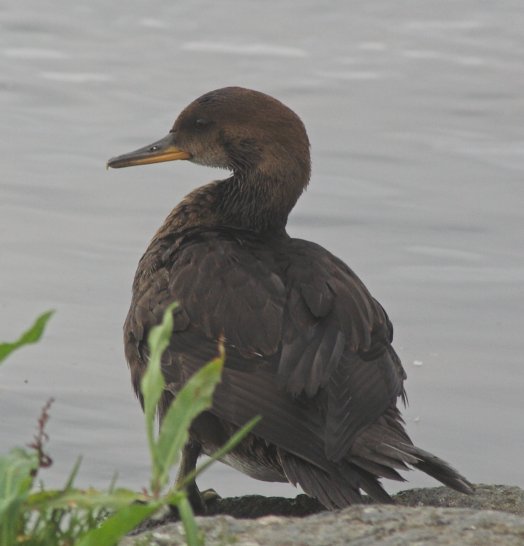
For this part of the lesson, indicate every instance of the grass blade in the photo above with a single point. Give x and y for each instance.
(193, 537)
(72, 475)
(118, 525)
(16, 478)
(219, 453)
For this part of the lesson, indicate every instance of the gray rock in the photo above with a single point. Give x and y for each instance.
(447, 518)
(503, 498)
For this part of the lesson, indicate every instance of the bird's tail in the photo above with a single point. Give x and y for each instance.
(440, 470)
(385, 446)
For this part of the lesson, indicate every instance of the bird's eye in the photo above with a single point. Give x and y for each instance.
(201, 122)
(154, 148)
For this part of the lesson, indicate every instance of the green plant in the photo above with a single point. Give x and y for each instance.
(32, 335)
(87, 517)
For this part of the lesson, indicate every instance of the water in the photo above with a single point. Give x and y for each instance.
(416, 117)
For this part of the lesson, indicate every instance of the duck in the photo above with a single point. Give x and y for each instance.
(308, 348)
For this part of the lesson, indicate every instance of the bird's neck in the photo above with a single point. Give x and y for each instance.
(260, 204)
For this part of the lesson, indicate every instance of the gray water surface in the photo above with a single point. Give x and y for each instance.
(415, 110)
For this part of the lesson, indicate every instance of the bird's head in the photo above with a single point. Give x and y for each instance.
(244, 131)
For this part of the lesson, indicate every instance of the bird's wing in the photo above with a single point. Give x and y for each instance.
(225, 291)
(337, 340)
(307, 347)
(230, 289)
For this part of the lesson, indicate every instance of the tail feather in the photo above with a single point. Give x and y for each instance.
(377, 469)
(384, 447)
(380, 451)
(369, 483)
(339, 487)
(316, 483)
(441, 470)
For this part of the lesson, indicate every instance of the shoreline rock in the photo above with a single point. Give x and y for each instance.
(428, 516)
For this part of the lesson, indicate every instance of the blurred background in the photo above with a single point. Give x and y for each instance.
(415, 111)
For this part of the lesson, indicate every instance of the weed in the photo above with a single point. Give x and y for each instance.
(88, 517)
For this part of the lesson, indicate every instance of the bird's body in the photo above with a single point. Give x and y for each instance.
(307, 347)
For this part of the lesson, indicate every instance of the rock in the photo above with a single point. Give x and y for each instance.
(487, 497)
(436, 516)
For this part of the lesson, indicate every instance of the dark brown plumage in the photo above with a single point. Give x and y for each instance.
(307, 346)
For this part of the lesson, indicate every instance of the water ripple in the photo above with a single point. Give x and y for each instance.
(33, 53)
(258, 49)
(76, 77)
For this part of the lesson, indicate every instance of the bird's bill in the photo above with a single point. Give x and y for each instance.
(159, 151)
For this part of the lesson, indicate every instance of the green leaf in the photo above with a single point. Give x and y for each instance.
(195, 397)
(118, 524)
(152, 384)
(87, 499)
(30, 336)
